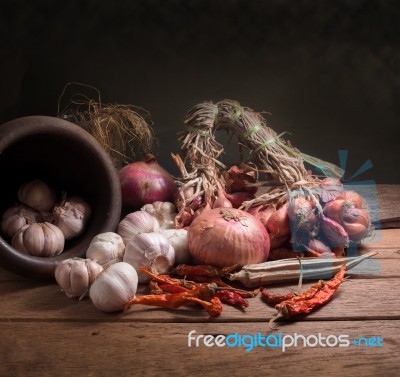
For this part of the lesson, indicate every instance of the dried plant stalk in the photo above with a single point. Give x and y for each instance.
(124, 131)
(269, 153)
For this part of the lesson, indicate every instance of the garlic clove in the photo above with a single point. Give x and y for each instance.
(135, 223)
(34, 239)
(15, 217)
(152, 251)
(39, 239)
(114, 287)
(17, 241)
(106, 249)
(79, 279)
(178, 238)
(71, 217)
(75, 276)
(164, 212)
(37, 195)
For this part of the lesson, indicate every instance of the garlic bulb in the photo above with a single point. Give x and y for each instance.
(106, 249)
(178, 238)
(164, 212)
(135, 223)
(150, 250)
(39, 239)
(14, 218)
(114, 287)
(37, 195)
(76, 275)
(71, 216)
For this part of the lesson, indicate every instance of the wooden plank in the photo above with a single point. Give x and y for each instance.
(129, 349)
(356, 298)
(389, 204)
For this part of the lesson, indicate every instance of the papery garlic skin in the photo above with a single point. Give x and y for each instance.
(76, 275)
(135, 223)
(39, 239)
(71, 216)
(106, 249)
(114, 287)
(37, 195)
(164, 212)
(178, 238)
(14, 218)
(152, 251)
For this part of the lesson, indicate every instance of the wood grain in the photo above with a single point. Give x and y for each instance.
(147, 349)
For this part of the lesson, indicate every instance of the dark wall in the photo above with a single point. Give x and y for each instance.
(327, 71)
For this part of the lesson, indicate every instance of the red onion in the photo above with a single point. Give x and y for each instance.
(354, 220)
(262, 213)
(146, 182)
(237, 198)
(356, 223)
(227, 236)
(352, 197)
(222, 201)
(330, 189)
(317, 248)
(334, 232)
(278, 223)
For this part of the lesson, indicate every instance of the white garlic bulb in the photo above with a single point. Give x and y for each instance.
(152, 251)
(106, 249)
(76, 275)
(178, 238)
(14, 218)
(164, 212)
(71, 216)
(135, 223)
(39, 239)
(114, 287)
(37, 195)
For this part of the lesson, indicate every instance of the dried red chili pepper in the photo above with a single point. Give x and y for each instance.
(203, 295)
(319, 294)
(172, 288)
(203, 270)
(166, 279)
(232, 298)
(275, 299)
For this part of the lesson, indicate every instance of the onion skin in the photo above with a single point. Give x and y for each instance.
(237, 198)
(224, 237)
(353, 198)
(354, 220)
(146, 182)
(278, 224)
(356, 223)
(262, 213)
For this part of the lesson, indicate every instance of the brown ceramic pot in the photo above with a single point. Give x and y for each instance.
(67, 158)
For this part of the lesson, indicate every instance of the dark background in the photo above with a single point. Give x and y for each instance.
(327, 71)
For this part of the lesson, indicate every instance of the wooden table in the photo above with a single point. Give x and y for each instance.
(44, 333)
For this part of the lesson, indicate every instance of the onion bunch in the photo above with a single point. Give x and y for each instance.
(318, 222)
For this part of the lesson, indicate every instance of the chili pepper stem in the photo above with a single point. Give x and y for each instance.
(233, 289)
(273, 319)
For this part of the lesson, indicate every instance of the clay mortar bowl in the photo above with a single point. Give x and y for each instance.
(67, 158)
